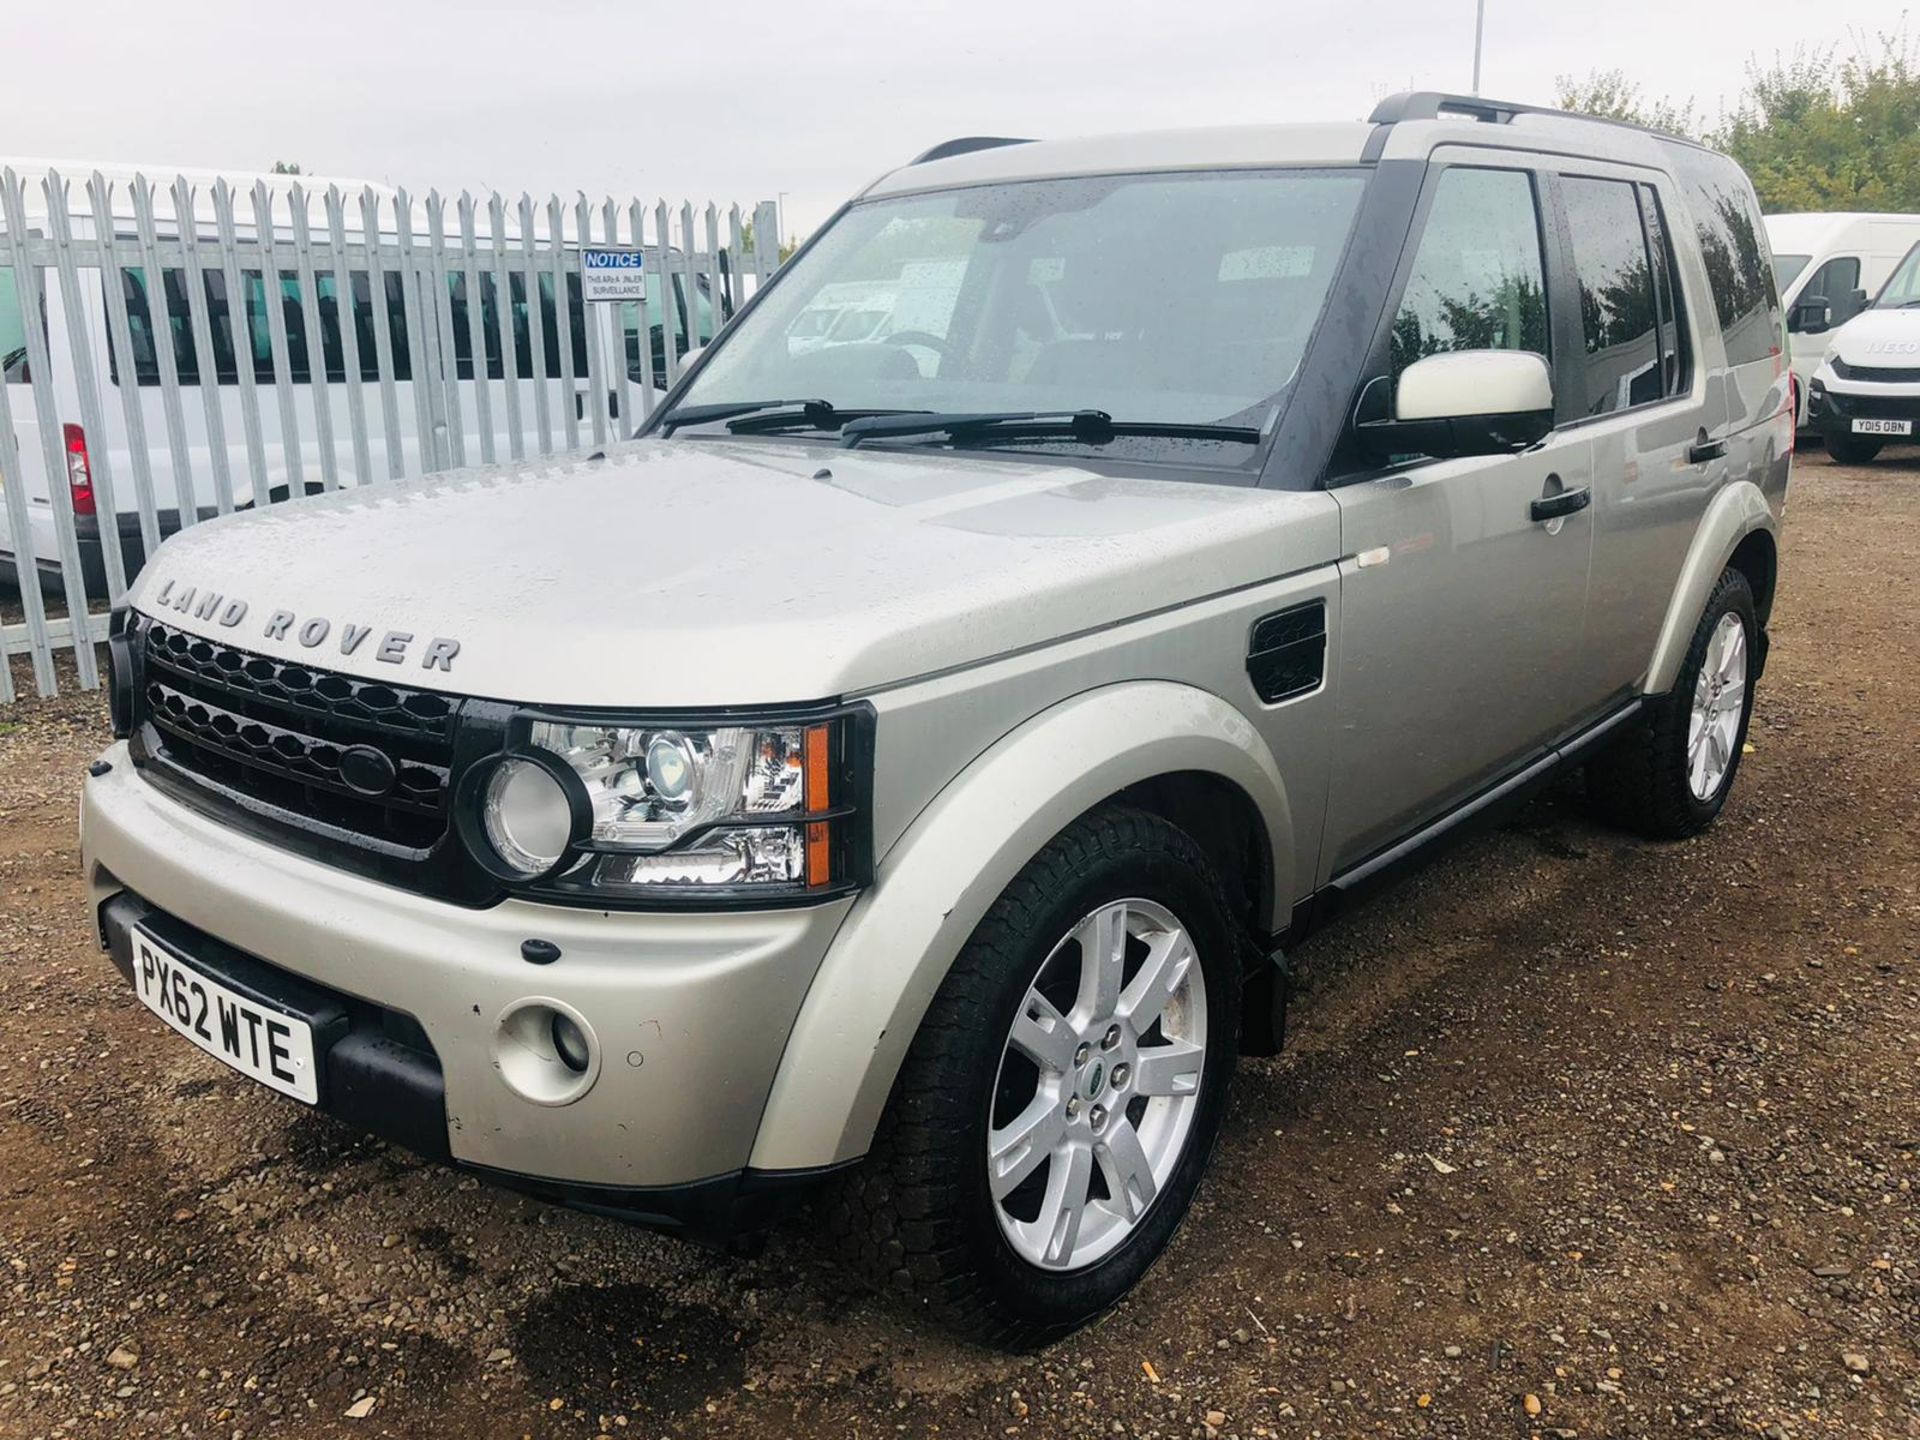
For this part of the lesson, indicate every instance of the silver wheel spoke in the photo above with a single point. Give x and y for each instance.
(1043, 1035)
(1733, 656)
(1015, 1151)
(1129, 1173)
(1103, 948)
(1058, 1225)
(1169, 1069)
(1169, 955)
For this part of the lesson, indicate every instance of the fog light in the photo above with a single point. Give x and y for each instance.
(571, 1044)
(545, 1051)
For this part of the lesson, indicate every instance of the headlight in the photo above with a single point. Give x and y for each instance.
(760, 810)
(527, 816)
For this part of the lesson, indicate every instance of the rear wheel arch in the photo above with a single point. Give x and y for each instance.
(1738, 521)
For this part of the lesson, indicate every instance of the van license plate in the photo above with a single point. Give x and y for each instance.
(1883, 427)
(268, 1045)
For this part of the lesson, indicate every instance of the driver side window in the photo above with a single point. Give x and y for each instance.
(1836, 282)
(1478, 279)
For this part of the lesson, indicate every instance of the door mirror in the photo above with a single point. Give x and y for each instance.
(1461, 402)
(1811, 316)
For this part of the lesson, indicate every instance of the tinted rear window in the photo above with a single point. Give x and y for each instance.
(1733, 242)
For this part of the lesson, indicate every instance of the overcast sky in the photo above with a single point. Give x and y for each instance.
(811, 99)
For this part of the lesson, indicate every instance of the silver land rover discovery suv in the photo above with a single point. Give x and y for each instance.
(896, 777)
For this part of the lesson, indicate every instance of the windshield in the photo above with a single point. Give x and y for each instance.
(1786, 268)
(1184, 299)
(1903, 286)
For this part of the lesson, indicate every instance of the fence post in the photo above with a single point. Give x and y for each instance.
(503, 317)
(120, 341)
(306, 277)
(26, 564)
(381, 310)
(160, 322)
(86, 386)
(273, 299)
(27, 286)
(477, 329)
(195, 273)
(766, 241)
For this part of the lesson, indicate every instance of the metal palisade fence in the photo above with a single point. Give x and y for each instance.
(174, 351)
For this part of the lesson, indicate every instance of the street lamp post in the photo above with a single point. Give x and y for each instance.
(1479, 29)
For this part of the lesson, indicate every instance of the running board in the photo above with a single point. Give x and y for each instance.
(1475, 813)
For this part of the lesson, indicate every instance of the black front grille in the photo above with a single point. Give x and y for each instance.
(1871, 407)
(1878, 374)
(271, 734)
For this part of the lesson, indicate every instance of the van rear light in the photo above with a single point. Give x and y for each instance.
(79, 470)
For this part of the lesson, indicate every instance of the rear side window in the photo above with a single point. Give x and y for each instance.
(1675, 355)
(1478, 282)
(1619, 311)
(1726, 221)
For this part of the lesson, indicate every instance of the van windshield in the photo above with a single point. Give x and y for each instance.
(1903, 286)
(1786, 269)
(1181, 299)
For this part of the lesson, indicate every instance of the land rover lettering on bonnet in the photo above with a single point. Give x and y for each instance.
(1085, 569)
(392, 648)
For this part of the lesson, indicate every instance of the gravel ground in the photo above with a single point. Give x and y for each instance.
(1577, 1135)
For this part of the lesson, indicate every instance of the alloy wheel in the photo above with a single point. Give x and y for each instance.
(1098, 1085)
(1719, 699)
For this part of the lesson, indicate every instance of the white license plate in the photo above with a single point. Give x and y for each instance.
(269, 1045)
(1883, 427)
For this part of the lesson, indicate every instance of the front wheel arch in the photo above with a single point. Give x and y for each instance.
(937, 883)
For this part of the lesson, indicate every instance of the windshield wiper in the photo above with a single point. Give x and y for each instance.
(1091, 427)
(727, 409)
(764, 417)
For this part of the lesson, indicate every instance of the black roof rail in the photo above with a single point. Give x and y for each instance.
(1431, 104)
(966, 145)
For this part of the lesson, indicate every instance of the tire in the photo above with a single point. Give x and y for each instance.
(1851, 450)
(1647, 781)
(920, 1215)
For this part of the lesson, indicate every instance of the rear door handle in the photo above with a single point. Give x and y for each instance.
(1566, 502)
(1702, 451)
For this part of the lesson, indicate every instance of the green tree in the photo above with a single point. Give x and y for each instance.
(1817, 130)
(1612, 96)
(282, 167)
(1824, 132)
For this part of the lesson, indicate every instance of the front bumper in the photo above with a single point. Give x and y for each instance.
(688, 1014)
(1833, 405)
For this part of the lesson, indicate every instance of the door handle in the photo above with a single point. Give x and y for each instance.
(1564, 502)
(1702, 451)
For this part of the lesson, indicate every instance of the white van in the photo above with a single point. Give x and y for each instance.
(391, 445)
(1841, 259)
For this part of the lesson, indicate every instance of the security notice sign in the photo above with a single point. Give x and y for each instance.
(609, 275)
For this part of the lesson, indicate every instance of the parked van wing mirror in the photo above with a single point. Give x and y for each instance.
(1463, 402)
(1811, 316)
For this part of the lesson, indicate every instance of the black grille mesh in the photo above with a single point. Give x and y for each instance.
(1878, 374)
(273, 731)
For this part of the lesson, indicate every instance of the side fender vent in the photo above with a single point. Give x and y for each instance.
(1288, 653)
